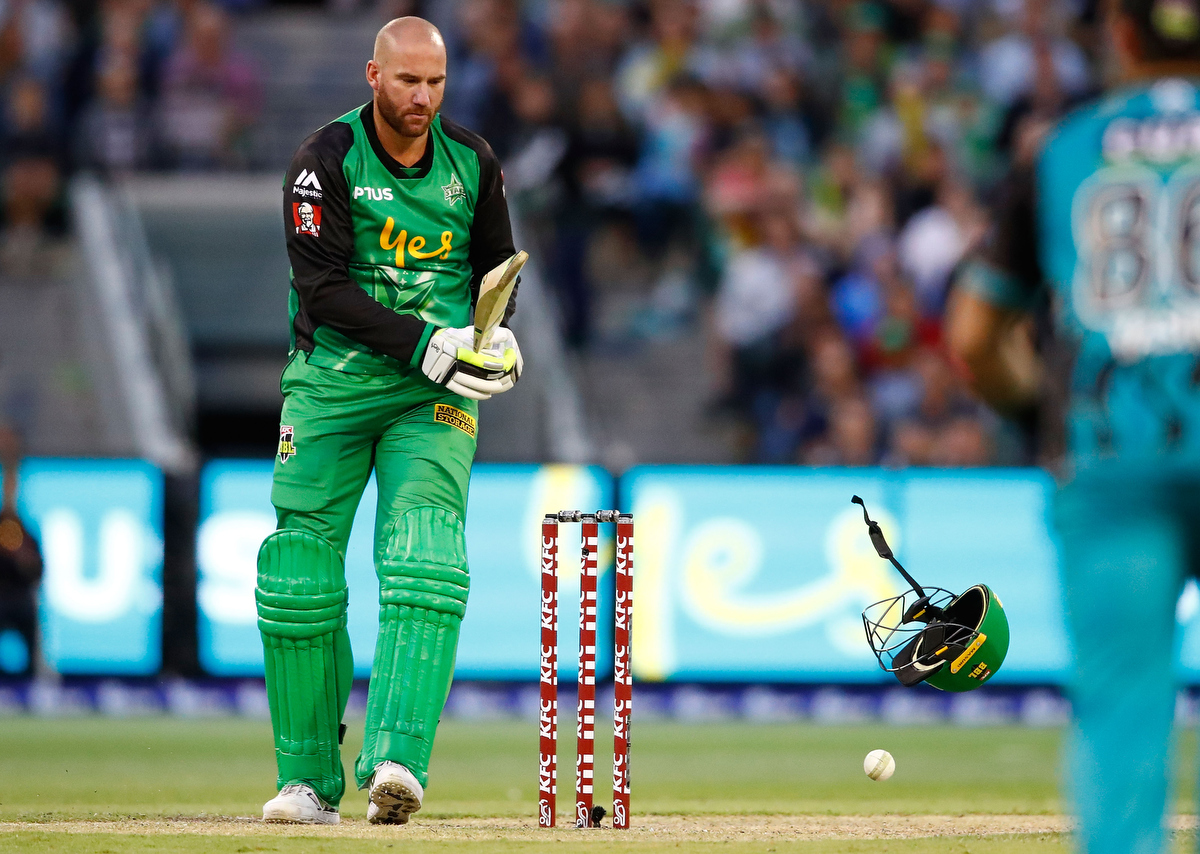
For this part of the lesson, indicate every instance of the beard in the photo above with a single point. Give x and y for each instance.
(410, 121)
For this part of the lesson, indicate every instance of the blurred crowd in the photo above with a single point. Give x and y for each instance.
(798, 179)
(114, 86)
(802, 177)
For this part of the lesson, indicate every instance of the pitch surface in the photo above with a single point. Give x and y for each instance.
(157, 784)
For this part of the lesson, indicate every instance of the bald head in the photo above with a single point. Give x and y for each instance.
(408, 74)
(400, 35)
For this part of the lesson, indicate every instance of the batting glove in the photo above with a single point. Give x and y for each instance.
(450, 361)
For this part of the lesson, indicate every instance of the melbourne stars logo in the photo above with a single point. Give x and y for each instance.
(454, 190)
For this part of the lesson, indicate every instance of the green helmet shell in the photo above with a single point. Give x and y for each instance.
(977, 608)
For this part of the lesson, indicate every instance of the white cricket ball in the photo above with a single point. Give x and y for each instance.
(879, 765)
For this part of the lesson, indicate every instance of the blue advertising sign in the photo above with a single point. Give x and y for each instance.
(741, 574)
(761, 574)
(99, 523)
(500, 635)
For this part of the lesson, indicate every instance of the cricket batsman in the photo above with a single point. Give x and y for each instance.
(393, 216)
(1107, 226)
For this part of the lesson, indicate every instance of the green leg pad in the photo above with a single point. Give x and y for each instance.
(423, 596)
(301, 597)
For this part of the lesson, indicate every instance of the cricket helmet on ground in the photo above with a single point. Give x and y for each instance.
(928, 634)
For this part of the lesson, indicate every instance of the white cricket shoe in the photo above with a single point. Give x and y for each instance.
(394, 793)
(298, 803)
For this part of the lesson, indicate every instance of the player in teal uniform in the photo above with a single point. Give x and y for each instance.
(1108, 223)
(393, 216)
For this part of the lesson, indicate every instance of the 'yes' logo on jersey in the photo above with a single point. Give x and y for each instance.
(307, 185)
(307, 218)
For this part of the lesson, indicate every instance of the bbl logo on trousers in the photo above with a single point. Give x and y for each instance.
(287, 444)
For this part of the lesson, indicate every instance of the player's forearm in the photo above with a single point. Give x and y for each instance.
(1001, 384)
(342, 305)
(994, 348)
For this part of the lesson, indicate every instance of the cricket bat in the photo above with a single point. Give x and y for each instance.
(494, 293)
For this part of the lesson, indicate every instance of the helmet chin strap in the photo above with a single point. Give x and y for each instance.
(883, 549)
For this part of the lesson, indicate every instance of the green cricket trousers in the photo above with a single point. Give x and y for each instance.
(420, 440)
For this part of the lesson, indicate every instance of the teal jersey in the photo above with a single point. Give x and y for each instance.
(1111, 226)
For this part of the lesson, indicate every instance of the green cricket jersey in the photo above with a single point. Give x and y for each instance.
(383, 254)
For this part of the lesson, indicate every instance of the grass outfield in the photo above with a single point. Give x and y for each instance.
(159, 784)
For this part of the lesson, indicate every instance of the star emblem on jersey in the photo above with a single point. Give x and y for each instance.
(454, 190)
(307, 185)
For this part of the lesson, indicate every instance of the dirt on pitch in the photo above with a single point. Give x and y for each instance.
(709, 828)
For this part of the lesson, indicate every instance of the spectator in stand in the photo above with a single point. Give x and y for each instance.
(161, 33)
(650, 67)
(888, 356)
(768, 49)
(945, 427)
(831, 189)
(852, 439)
(1012, 65)
(863, 66)
(32, 175)
(506, 67)
(756, 305)
(784, 120)
(835, 378)
(963, 443)
(210, 96)
(34, 37)
(20, 571)
(742, 182)
(116, 130)
(597, 188)
(536, 140)
(936, 238)
(670, 166)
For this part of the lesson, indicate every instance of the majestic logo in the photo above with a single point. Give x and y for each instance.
(444, 413)
(287, 443)
(307, 218)
(384, 195)
(307, 185)
(454, 190)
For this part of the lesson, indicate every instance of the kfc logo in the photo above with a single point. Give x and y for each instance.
(307, 218)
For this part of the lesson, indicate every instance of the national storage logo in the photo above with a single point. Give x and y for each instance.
(455, 417)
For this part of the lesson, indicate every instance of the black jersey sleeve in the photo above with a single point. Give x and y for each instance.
(1006, 270)
(320, 242)
(491, 229)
